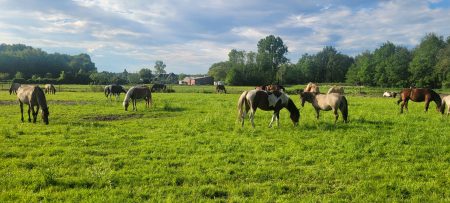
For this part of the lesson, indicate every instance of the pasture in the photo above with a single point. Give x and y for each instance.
(189, 147)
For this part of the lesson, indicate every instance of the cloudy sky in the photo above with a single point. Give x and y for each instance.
(191, 35)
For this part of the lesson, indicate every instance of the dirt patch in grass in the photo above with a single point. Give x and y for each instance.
(62, 102)
(112, 117)
(5, 103)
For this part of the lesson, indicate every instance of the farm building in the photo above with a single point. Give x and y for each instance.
(164, 78)
(207, 80)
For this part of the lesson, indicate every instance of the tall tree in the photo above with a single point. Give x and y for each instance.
(272, 50)
(160, 67)
(424, 61)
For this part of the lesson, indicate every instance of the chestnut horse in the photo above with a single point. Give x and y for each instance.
(249, 101)
(419, 95)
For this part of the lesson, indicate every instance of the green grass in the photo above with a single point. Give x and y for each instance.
(189, 147)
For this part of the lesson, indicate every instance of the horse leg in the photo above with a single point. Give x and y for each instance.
(278, 119)
(317, 113)
(336, 115)
(427, 104)
(35, 113)
(29, 109)
(21, 109)
(252, 118)
(274, 115)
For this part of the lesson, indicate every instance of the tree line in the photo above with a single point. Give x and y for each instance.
(25, 64)
(390, 65)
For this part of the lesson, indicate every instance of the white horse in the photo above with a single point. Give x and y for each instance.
(137, 92)
(445, 101)
(390, 94)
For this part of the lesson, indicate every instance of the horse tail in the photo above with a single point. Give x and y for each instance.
(241, 104)
(344, 108)
(400, 98)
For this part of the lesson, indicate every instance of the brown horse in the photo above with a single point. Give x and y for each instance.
(419, 95)
(135, 93)
(326, 102)
(50, 89)
(266, 101)
(33, 96)
(221, 88)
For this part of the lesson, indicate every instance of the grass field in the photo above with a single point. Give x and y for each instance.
(189, 147)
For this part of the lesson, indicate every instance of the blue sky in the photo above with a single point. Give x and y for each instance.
(189, 35)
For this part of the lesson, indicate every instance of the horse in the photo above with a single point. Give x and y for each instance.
(138, 92)
(263, 88)
(336, 89)
(249, 101)
(275, 88)
(14, 87)
(50, 89)
(326, 102)
(158, 87)
(114, 90)
(445, 101)
(221, 88)
(419, 95)
(33, 96)
(311, 87)
(390, 94)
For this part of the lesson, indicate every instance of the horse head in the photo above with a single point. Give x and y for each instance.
(45, 114)
(295, 113)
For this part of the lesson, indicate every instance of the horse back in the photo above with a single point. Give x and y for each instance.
(140, 92)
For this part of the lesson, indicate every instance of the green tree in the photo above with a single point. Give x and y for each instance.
(146, 75)
(160, 67)
(271, 51)
(219, 70)
(423, 64)
(4, 76)
(443, 64)
(19, 75)
(363, 70)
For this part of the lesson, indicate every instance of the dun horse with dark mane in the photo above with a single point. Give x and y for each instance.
(135, 93)
(326, 102)
(33, 96)
(249, 101)
(419, 95)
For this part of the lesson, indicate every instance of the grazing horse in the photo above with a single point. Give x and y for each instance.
(336, 89)
(114, 90)
(419, 95)
(327, 102)
(135, 93)
(221, 88)
(158, 87)
(390, 94)
(33, 96)
(50, 89)
(266, 101)
(445, 101)
(14, 87)
(311, 87)
(275, 88)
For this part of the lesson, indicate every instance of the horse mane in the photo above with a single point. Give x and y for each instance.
(128, 95)
(40, 97)
(436, 98)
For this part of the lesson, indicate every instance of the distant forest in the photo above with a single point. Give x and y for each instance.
(390, 65)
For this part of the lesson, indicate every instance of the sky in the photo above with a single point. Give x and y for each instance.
(189, 36)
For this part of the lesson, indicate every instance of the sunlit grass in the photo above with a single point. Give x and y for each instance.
(189, 147)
